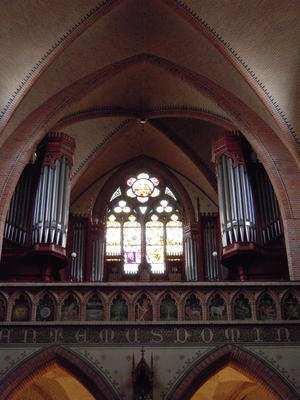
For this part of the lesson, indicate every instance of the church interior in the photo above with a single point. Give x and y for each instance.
(150, 200)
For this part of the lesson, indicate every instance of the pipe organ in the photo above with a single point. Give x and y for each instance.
(97, 243)
(237, 213)
(18, 224)
(87, 250)
(210, 228)
(248, 224)
(192, 250)
(51, 209)
(269, 213)
(78, 254)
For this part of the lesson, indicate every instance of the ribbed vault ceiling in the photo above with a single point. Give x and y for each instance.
(140, 54)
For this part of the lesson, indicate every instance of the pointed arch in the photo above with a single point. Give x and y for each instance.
(245, 361)
(143, 307)
(217, 307)
(22, 306)
(93, 380)
(46, 306)
(277, 159)
(70, 308)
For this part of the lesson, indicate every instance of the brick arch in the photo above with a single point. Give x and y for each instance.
(278, 161)
(245, 361)
(87, 375)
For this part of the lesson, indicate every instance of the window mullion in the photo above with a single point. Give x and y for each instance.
(143, 241)
(165, 242)
(122, 238)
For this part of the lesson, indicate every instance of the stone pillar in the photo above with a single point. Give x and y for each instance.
(192, 250)
(237, 214)
(51, 210)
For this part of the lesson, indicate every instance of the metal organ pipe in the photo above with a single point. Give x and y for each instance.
(17, 224)
(212, 265)
(51, 209)
(79, 248)
(271, 224)
(237, 214)
(191, 248)
(98, 253)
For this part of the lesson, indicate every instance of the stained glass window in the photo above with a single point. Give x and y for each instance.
(155, 244)
(113, 236)
(144, 223)
(174, 235)
(132, 245)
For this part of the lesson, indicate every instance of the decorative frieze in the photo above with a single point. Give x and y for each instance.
(171, 303)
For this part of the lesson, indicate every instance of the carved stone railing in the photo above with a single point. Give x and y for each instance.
(149, 313)
(142, 302)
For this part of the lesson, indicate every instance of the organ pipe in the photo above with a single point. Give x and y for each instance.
(17, 224)
(192, 250)
(51, 211)
(97, 250)
(79, 250)
(237, 214)
(212, 267)
(270, 218)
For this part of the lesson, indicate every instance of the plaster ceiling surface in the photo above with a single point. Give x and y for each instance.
(145, 87)
(266, 35)
(91, 134)
(140, 140)
(132, 27)
(196, 135)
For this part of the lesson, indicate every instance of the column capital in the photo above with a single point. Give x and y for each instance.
(57, 145)
(229, 145)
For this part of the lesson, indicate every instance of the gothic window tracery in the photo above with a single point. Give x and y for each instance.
(144, 223)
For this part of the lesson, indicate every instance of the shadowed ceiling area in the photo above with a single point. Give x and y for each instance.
(52, 383)
(229, 384)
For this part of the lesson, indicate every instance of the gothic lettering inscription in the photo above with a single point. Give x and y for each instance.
(158, 335)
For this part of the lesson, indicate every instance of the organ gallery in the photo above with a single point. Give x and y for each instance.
(149, 201)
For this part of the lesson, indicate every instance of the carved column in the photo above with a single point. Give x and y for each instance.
(192, 251)
(51, 210)
(237, 214)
